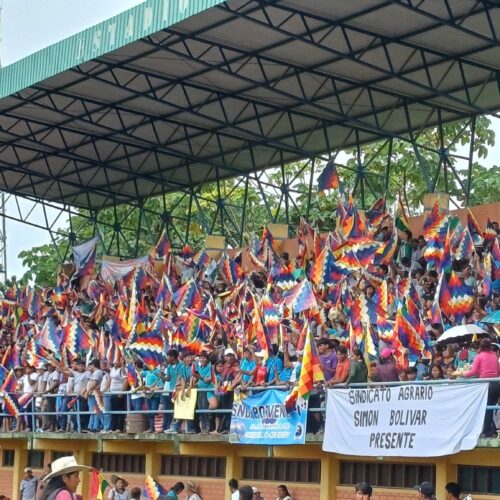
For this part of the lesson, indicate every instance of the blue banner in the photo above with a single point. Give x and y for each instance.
(262, 418)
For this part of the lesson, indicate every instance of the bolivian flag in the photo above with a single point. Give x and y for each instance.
(98, 485)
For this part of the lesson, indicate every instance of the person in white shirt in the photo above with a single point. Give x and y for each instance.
(49, 403)
(27, 488)
(105, 417)
(94, 383)
(118, 375)
(233, 488)
(77, 385)
(256, 494)
(192, 491)
(119, 490)
(41, 385)
(28, 384)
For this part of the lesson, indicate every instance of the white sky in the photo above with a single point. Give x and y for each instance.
(30, 25)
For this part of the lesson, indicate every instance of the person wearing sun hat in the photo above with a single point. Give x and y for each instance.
(63, 479)
(119, 492)
(192, 491)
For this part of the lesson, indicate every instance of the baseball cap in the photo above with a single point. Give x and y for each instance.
(386, 353)
(255, 490)
(229, 351)
(427, 489)
(28, 469)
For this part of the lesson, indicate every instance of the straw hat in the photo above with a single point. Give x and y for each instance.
(65, 465)
(192, 486)
(115, 477)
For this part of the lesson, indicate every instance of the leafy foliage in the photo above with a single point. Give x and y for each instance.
(283, 195)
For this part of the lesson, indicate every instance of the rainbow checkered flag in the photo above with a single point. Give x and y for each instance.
(310, 372)
(10, 398)
(461, 297)
(328, 179)
(377, 213)
(162, 247)
(489, 233)
(153, 489)
(301, 297)
(435, 224)
(474, 229)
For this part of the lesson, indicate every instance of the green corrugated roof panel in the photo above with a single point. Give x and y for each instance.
(122, 29)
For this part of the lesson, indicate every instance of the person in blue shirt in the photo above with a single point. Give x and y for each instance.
(274, 366)
(247, 366)
(285, 375)
(152, 384)
(174, 492)
(291, 369)
(170, 376)
(422, 367)
(203, 376)
(183, 386)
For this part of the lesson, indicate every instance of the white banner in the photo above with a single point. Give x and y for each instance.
(119, 269)
(408, 420)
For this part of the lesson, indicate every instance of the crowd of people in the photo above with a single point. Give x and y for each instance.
(62, 482)
(373, 299)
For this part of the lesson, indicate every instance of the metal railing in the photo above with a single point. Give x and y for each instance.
(76, 412)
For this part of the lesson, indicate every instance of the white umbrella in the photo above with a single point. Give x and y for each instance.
(461, 331)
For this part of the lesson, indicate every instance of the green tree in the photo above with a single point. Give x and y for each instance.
(485, 185)
(220, 208)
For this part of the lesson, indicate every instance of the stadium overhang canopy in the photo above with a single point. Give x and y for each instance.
(172, 94)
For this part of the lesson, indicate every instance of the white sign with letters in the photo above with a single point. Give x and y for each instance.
(409, 420)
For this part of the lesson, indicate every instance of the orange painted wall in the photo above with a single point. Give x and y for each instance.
(6, 474)
(297, 491)
(347, 493)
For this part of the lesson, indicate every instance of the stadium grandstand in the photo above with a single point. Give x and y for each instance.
(185, 345)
